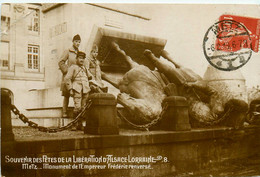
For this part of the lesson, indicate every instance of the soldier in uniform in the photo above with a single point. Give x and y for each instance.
(68, 58)
(77, 82)
(94, 68)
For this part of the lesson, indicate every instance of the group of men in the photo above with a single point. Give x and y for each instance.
(80, 76)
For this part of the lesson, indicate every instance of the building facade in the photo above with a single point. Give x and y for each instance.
(22, 57)
(34, 36)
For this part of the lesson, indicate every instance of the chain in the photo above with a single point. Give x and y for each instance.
(227, 113)
(215, 121)
(155, 121)
(144, 126)
(196, 94)
(47, 129)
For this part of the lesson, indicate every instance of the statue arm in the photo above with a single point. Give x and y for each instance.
(171, 73)
(127, 58)
(167, 56)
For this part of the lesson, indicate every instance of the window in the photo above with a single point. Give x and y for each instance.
(33, 57)
(5, 24)
(34, 21)
(4, 55)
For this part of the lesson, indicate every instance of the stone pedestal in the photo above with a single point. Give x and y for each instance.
(237, 113)
(101, 116)
(7, 136)
(6, 125)
(176, 116)
(254, 107)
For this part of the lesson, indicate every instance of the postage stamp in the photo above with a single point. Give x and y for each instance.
(227, 45)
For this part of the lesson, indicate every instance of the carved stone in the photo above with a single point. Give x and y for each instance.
(6, 125)
(101, 117)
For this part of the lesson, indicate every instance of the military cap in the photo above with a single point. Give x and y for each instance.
(94, 48)
(82, 54)
(76, 37)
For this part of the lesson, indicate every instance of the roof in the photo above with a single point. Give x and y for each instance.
(213, 74)
(129, 9)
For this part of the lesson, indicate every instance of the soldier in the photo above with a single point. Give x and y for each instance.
(68, 58)
(94, 67)
(77, 82)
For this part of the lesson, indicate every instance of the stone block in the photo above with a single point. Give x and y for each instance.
(101, 116)
(6, 125)
(176, 116)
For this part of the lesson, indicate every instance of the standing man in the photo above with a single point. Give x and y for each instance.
(94, 67)
(77, 82)
(68, 58)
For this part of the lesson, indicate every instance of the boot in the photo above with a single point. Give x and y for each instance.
(74, 128)
(65, 107)
(78, 125)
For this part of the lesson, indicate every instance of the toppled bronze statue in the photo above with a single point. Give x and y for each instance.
(143, 90)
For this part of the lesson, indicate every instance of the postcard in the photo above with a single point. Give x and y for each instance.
(130, 89)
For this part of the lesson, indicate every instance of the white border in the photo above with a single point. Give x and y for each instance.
(140, 1)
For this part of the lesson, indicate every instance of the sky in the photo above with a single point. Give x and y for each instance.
(184, 27)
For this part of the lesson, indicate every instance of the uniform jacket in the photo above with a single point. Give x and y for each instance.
(68, 58)
(77, 79)
(94, 68)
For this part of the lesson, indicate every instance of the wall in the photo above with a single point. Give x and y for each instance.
(80, 19)
(17, 77)
(57, 37)
(57, 28)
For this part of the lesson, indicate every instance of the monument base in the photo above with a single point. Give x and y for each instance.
(181, 152)
(101, 130)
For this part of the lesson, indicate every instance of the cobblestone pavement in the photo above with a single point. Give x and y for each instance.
(24, 133)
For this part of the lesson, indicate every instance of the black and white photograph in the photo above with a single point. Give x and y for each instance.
(130, 89)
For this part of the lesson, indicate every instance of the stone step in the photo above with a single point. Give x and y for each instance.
(47, 112)
(41, 121)
(50, 112)
(48, 102)
(47, 117)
